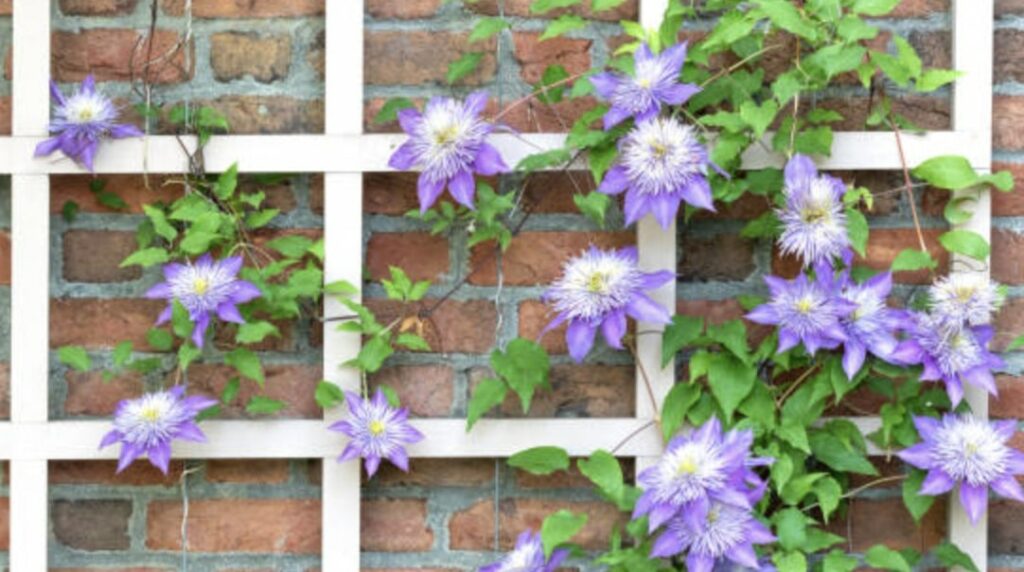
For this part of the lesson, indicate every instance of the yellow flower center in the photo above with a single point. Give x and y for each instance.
(970, 449)
(812, 215)
(659, 149)
(201, 285)
(376, 428)
(598, 283)
(446, 134)
(644, 82)
(804, 305)
(687, 466)
(713, 515)
(964, 293)
(151, 414)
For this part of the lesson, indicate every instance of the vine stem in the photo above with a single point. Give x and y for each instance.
(647, 380)
(632, 434)
(789, 390)
(531, 95)
(908, 184)
(856, 491)
(740, 63)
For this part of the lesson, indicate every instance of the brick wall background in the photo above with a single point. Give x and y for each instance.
(261, 62)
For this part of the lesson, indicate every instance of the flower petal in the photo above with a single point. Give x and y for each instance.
(937, 482)
(974, 498)
(614, 328)
(427, 190)
(615, 181)
(463, 188)
(488, 161)
(580, 338)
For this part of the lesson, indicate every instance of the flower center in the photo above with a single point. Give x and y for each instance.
(964, 293)
(804, 305)
(446, 134)
(713, 515)
(150, 413)
(814, 214)
(201, 285)
(687, 466)
(376, 428)
(659, 149)
(598, 283)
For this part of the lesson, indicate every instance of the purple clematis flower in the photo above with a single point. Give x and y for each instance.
(655, 82)
(662, 163)
(528, 556)
(970, 452)
(147, 425)
(81, 121)
(378, 431)
(447, 142)
(598, 289)
(203, 288)
(952, 356)
(814, 218)
(965, 299)
(698, 469)
(872, 325)
(728, 533)
(805, 310)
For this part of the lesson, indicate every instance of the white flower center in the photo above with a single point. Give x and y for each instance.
(593, 284)
(687, 472)
(965, 298)
(661, 156)
(814, 222)
(82, 108)
(969, 449)
(202, 288)
(447, 139)
(150, 418)
(725, 527)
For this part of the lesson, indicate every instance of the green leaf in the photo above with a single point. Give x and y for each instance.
(146, 257)
(759, 117)
(69, 210)
(828, 492)
(524, 365)
(559, 528)
(594, 205)
(874, 7)
(683, 331)
(328, 395)
(260, 405)
(253, 332)
(187, 354)
(464, 66)
(838, 454)
(602, 5)
(389, 111)
(231, 390)
(730, 381)
(373, 353)
(227, 182)
(950, 555)
(181, 323)
(790, 561)
(916, 503)
(784, 14)
(954, 172)
(791, 528)
(543, 6)
(679, 400)
(160, 223)
(540, 460)
(837, 561)
(412, 342)
(733, 336)
(390, 394)
(603, 469)
(857, 230)
(911, 259)
(75, 357)
(160, 340)
(539, 161)
(886, 558)
(487, 28)
(122, 352)
(291, 246)
(562, 25)
(966, 242)
(488, 394)
(933, 79)
(261, 218)
(247, 363)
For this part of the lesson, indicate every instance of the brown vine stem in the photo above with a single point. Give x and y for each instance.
(740, 64)
(856, 491)
(632, 434)
(647, 380)
(909, 184)
(789, 390)
(544, 89)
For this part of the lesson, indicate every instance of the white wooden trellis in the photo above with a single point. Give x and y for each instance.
(29, 441)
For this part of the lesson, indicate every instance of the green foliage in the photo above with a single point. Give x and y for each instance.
(75, 357)
(559, 528)
(540, 460)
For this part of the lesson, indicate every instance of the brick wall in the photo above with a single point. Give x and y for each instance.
(261, 62)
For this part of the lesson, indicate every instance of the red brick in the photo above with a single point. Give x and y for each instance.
(292, 384)
(97, 7)
(131, 188)
(427, 390)
(96, 255)
(89, 394)
(390, 525)
(390, 193)
(252, 471)
(918, 8)
(534, 55)
(140, 473)
(246, 8)
(576, 391)
(428, 472)
(534, 316)
(1007, 117)
(108, 53)
(224, 338)
(1009, 323)
(235, 55)
(416, 57)
(456, 325)
(5, 257)
(473, 528)
(5, 115)
(5, 523)
(861, 525)
(1009, 7)
(5, 390)
(5, 7)
(571, 479)
(1006, 534)
(1010, 402)
(402, 9)
(262, 114)
(1007, 266)
(277, 526)
(537, 257)
(935, 48)
(537, 117)
(720, 257)
(91, 524)
(1011, 203)
(421, 255)
(99, 323)
(627, 11)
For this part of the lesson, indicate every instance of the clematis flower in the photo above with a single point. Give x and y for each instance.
(447, 141)
(727, 534)
(872, 325)
(662, 163)
(598, 289)
(697, 470)
(963, 298)
(81, 121)
(378, 431)
(953, 356)
(147, 425)
(528, 556)
(655, 82)
(805, 310)
(814, 218)
(204, 288)
(969, 452)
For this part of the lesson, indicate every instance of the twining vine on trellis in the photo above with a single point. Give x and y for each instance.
(749, 475)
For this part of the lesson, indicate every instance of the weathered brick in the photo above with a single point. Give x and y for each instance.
(224, 337)
(246, 8)
(402, 9)
(1010, 402)
(1009, 7)
(276, 526)
(456, 325)
(5, 390)
(89, 394)
(390, 193)
(131, 188)
(918, 8)
(473, 528)
(98, 323)
(576, 391)
(91, 524)
(570, 479)
(862, 525)
(140, 473)
(1009, 323)
(292, 384)
(262, 114)
(415, 57)
(235, 55)
(421, 255)
(1012, 203)
(925, 112)
(534, 316)
(5, 522)
(427, 390)
(537, 257)
(628, 10)
(1007, 117)
(1005, 527)
(935, 48)
(97, 7)
(392, 525)
(5, 257)
(5, 115)
(720, 257)
(5, 7)
(534, 55)
(1007, 266)
(428, 472)
(96, 255)
(116, 54)
(252, 471)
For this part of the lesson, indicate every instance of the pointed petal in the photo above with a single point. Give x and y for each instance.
(698, 193)
(400, 459)
(463, 188)
(919, 455)
(974, 499)
(229, 313)
(800, 168)
(124, 131)
(160, 456)
(615, 181)
(489, 161)
(614, 328)
(605, 83)
(642, 308)
(580, 338)
(427, 190)
(937, 482)
(614, 116)
(409, 119)
(1008, 487)
(678, 94)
